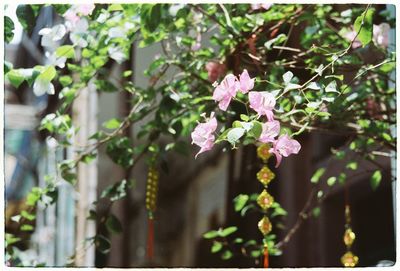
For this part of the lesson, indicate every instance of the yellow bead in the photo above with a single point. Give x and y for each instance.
(263, 152)
(349, 237)
(264, 225)
(265, 200)
(265, 175)
(349, 259)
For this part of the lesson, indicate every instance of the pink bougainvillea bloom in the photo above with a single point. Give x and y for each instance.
(203, 134)
(215, 70)
(284, 146)
(381, 34)
(85, 9)
(350, 36)
(270, 130)
(265, 6)
(263, 103)
(71, 16)
(246, 83)
(225, 91)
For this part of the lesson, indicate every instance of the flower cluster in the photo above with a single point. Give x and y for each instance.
(263, 103)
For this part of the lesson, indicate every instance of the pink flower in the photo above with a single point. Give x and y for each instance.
(270, 130)
(85, 9)
(215, 70)
(225, 91)
(350, 36)
(381, 34)
(203, 134)
(263, 103)
(265, 6)
(284, 146)
(246, 83)
(71, 16)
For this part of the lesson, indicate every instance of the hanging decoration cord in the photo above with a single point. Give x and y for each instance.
(348, 259)
(265, 200)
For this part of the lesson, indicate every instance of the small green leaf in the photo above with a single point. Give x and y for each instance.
(8, 29)
(65, 51)
(27, 215)
(227, 255)
(210, 234)
(314, 86)
(316, 211)
(65, 80)
(217, 246)
(256, 130)
(342, 178)
(228, 231)
(15, 77)
(112, 124)
(331, 87)
(376, 179)
(352, 165)
(113, 224)
(240, 201)
(102, 244)
(287, 77)
(363, 25)
(244, 117)
(317, 175)
(234, 135)
(331, 180)
(26, 227)
(48, 74)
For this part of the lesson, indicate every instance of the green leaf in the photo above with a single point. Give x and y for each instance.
(363, 24)
(210, 234)
(331, 180)
(317, 175)
(8, 29)
(65, 51)
(116, 191)
(26, 227)
(234, 135)
(331, 87)
(15, 77)
(27, 215)
(48, 74)
(287, 77)
(376, 179)
(217, 246)
(244, 117)
(115, 7)
(65, 80)
(314, 86)
(102, 244)
(240, 201)
(352, 165)
(342, 178)
(316, 211)
(113, 224)
(256, 130)
(27, 17)
(228, 231)
(112, 124)
(227, 255)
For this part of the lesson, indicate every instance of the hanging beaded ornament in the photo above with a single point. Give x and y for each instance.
(265, 200)
(348, 259)
(151, 205)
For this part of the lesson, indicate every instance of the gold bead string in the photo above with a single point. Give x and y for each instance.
(348, 259)
(265, 200)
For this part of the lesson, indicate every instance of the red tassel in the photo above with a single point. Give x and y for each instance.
(266, 261)
(150, 238)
